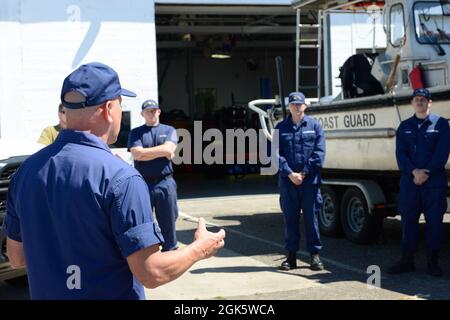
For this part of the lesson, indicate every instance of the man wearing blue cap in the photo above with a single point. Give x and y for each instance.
(301, 155)
(152, 146)
(422, 150)
(78, 217)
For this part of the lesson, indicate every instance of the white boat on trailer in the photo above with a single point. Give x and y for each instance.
(361, 177)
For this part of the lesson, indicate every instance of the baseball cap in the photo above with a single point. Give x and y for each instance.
(150, 104)
(96, 82)
(422, 93)
(297, 98)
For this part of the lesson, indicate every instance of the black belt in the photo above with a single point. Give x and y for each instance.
(157, 179)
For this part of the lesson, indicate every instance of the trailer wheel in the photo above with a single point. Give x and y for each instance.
(358, 224)
(329, 217)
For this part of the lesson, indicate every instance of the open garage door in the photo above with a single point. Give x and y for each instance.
(214, 59)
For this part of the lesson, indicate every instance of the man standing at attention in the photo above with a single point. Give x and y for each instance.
(79, 219)
(422, 152)
(152, 147)
(301, 156)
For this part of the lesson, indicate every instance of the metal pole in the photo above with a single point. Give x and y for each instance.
(319, 53)
(190, 85)
(373, 31)
(297, 52)
(326, 55)
(280, 76)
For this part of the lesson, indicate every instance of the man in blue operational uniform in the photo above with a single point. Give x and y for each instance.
(78, 217)
(422, 151)
(152, 146)
(301, 155)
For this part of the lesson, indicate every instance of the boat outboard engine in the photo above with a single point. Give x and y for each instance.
(356, 79)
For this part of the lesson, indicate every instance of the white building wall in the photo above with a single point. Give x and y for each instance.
(226, 2)
(41, 42)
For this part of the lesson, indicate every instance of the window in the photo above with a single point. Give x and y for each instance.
(397, 25)
(445, 7)
(405, 78)
(431, 25)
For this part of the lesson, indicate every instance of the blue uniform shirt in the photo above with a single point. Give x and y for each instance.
(73, 203)
(301, 148)
(423, 145)
(148, 137)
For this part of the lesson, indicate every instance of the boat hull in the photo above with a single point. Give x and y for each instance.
(360, 135)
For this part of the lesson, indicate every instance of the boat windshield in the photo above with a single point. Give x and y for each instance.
(432, 26)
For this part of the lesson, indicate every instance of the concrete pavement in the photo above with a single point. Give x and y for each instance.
(247, 267)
